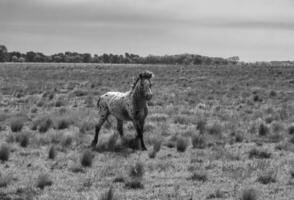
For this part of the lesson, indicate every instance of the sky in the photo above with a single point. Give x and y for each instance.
(254, 30)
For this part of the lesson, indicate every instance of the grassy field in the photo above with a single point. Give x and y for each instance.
(213, 132)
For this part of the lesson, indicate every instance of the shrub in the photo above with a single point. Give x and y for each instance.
(199, 176)
(4, 152)
(255, 153)
(198, 141)
(52, 152)
(34, 110)
(137, 170)
(249, 194)
(263, 130)
(182, 144)
(16, 125)
(182, 119)
(134, 184)
(291, 129)
(87, 158)
(239, 137)
(43, 181)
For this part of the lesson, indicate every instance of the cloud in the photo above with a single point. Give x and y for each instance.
(213, 27)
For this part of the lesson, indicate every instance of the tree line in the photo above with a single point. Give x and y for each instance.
(75, 57)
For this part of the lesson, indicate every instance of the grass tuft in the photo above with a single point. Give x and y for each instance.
(263, 130)
(108, 195)
(182, 144)
(137, 170)
(260, 154)
(4, 152)
(52, 152)
(16, 125)
(249, 194)
(291, 129)
(87, 158)
(267, 177)
(198, 141)
(43, 181)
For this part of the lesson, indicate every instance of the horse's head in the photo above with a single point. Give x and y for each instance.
(145, 84)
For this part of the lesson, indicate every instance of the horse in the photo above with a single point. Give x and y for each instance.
(126, 106)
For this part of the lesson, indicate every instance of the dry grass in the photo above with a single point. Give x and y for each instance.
(237, 131)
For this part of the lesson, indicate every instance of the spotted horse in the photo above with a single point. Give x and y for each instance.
(127, 106)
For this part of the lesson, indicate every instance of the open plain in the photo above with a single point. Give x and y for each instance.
(213, 132)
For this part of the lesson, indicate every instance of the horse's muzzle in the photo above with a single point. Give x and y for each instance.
(148, 97)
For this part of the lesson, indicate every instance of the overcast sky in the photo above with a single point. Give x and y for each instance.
(253, 29)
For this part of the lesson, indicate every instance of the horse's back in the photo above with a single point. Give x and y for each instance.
(116, 104)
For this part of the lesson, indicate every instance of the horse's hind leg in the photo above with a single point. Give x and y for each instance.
(98, 126)
(120, 127)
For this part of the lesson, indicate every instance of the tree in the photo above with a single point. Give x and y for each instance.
(30, 56)
(3, 53)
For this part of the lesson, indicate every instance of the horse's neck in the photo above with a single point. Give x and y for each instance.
(138, 100)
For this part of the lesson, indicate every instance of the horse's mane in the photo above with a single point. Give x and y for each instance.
(144, 75)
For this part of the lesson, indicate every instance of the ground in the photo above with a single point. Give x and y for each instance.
(223, 130)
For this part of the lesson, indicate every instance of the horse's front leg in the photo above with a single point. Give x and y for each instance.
(139, 125)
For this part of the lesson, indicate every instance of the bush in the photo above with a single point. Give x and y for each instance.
(87, 158)
(182, 144)
(52, 152)
(249, 194)
(16, 125)
(198, 141)
(4, 152)
(43, 181)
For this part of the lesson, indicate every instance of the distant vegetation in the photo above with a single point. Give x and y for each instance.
(74, 57)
